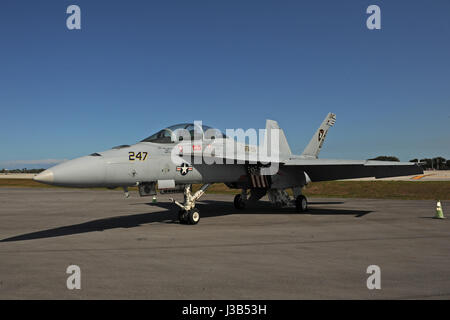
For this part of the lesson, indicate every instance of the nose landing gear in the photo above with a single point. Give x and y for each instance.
(188, 214)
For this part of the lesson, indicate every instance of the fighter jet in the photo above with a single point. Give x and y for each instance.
(178, 156)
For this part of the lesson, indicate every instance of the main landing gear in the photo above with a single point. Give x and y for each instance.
(278, 197)
(188, 214)
(301, 203)
(240, 199)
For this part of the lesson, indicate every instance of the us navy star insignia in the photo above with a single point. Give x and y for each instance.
(184, 168)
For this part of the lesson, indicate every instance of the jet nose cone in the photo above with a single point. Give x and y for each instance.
(44, 177)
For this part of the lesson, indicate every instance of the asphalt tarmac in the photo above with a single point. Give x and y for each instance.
(135, 249)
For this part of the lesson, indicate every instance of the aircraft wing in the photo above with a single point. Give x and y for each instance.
(328, 169)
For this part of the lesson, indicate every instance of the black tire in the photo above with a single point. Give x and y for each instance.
(193, 216)
(238, 202)
(182, 216)
(301, 204)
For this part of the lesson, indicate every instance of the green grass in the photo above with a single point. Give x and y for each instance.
(22, 183)
(424, 190)
(28, 183)
(419, 190)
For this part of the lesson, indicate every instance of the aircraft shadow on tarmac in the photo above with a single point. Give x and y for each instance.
(207, 208)
(211, 208)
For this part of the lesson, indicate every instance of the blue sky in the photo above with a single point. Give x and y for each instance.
(138, 66)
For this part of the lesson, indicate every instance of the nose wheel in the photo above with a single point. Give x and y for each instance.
(189, 217)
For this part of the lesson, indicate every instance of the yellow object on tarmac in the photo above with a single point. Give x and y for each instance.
(439, 212)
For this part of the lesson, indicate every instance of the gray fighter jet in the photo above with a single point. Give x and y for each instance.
(176, 157)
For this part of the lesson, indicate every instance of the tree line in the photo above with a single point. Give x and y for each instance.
(438, 163)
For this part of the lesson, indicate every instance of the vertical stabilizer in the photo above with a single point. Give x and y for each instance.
(313, 148)
(282, 146)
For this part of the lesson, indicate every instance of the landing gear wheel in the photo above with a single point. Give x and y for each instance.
(301, 204)
(193, 216)
(238, 202)
(182, 216)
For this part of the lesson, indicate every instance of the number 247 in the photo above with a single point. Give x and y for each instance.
(139, 156)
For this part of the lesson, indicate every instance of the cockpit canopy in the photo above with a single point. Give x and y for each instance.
(184, 132)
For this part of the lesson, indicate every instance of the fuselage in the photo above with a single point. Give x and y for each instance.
(130, 165)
